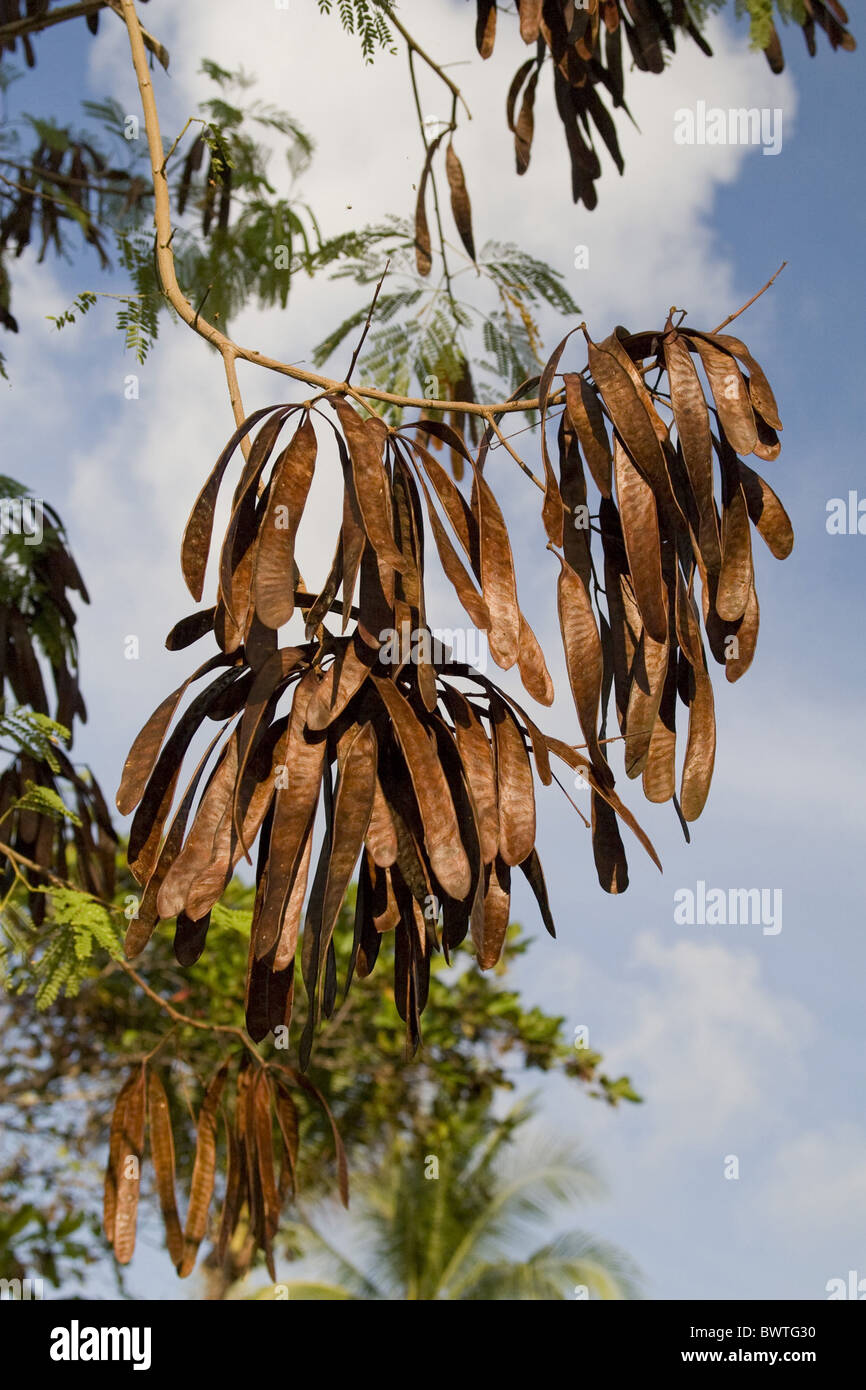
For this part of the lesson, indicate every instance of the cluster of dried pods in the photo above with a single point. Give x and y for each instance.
(37, 618)
(419, 765)
(585, 42)
(255, 1190)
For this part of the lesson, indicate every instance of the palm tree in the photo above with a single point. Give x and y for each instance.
(451, 1223)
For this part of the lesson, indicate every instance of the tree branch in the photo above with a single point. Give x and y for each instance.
(34, 24)
(415, 47)
(750, 302)
(366, 330)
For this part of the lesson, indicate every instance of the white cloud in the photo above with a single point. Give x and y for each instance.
(715, 1048)
(816, 1188)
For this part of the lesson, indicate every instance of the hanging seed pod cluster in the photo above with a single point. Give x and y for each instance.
(590, 43)
(334, 753)
(256, 1189)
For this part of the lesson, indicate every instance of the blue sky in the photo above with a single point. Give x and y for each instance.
(741, 1043)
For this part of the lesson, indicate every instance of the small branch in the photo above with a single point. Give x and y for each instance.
(118, 190)
(34, 24)
(750, 302)
(415, 47)
(68, 203)
(17, 858)
(236, 399)
(192, 120)
(517, 459)
(202, 303)
(366, 329)
(571, 799)
(432, 176)
(185, 1019)
(159, 50)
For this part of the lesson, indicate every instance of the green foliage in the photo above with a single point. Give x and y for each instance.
(78, 926)
(760, 13)
(621, 1089)
(33, 733)
(250, 250)
(366, 18)
(137, 316)
(235, 919)
(424, 337)
(81, 305)
(45, 801)
(34, 1236)
(480, 1038)
(225, 116)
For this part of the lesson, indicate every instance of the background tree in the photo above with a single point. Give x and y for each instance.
(442, 1219)
(72, 1036)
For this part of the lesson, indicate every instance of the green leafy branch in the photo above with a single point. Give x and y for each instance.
(366, 19)
(43, 801)
(33, 733)
(63, 955)
(422, 331)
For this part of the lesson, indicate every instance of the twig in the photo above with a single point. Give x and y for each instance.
(61, 180)
(178, 1017)
(571, 799)
(366, 329)
(432, 176)
(503, 440)
(31, 864)
(34, 24)
(236, 400)
(159, 50)
(750, 302)
(415, 47)
(190, 121)
(202, 303)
